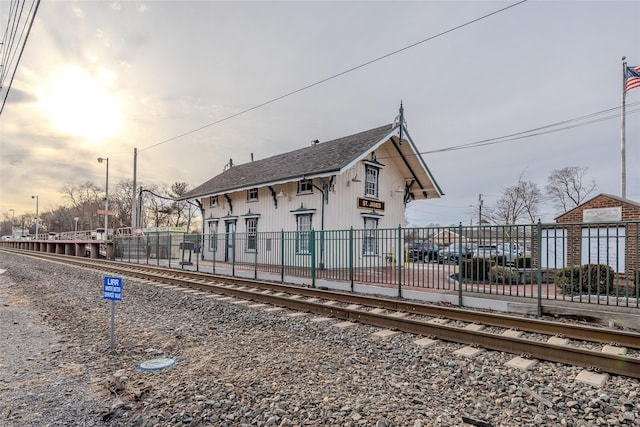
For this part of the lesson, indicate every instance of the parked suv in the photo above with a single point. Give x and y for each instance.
(452, 253)
(422, 251)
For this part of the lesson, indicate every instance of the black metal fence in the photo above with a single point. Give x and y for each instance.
(586, 262)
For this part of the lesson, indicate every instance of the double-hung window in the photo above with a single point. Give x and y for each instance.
(252, 234)
(213, 236)
(369, 240)
(371, 181)
(303, 244)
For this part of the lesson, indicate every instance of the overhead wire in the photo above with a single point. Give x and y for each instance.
(9, 39)
(342, 73)
(24, 43)
(516, 137)
(542, 130)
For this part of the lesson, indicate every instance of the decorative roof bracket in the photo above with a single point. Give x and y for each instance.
(226, 196)
(275, 198)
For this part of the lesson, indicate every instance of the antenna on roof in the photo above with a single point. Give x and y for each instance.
(228, 165)
(315, 141)
(399, 121)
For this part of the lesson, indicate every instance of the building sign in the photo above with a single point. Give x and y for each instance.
(376, 205)
(602, 214)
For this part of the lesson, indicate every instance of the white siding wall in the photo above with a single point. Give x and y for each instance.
(341, 212)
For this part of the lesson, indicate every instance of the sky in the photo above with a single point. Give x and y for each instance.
(100, 78)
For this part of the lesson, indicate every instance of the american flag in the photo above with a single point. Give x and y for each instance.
(632, 78)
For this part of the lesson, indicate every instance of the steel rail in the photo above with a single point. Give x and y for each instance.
(572, 331)
(616, 364)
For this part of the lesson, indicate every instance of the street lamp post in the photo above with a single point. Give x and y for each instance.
(37, 217)
(106, 197)
(13, 214)
(75, 234)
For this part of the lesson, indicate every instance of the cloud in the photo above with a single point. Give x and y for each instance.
(17, 96)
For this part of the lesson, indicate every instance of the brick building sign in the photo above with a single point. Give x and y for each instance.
(602, 214)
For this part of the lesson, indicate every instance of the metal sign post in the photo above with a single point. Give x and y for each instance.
(113, 292)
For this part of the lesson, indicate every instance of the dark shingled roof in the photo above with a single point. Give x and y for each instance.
(317, 159)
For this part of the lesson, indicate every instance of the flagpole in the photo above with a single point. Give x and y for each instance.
(623, 171)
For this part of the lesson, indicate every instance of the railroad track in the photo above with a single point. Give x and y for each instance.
(571, 344)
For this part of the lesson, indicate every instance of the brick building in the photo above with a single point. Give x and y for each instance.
(602, 230)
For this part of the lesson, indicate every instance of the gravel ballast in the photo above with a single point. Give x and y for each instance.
(238, 365)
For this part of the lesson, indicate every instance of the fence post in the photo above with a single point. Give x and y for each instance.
(539, 257)
(255, 257)
(398, 256)
(460, 263)
(199, 253)
(351, 257)
(214, 252)
(158, 248)
(184, 235)
(233, 254)
(282, 255)
(147, 248)
(312, 243)
(169, 248)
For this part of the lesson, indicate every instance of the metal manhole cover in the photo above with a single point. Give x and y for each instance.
(157, 363)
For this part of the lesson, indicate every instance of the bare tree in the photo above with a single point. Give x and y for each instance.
(156, 208)
(84, 199)
(567, 188)
(183, 211)
(120, 202)
(518, 202)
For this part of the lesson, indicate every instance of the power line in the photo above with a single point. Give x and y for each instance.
(24, 43)
(542, 130)
(528, 134)
(342, 73)
(522, 135)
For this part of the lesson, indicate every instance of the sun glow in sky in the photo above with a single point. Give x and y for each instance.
(80, 104)
(99, 78)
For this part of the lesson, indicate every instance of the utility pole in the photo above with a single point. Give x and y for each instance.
(134, 205)
(480, 202)
(37, 216)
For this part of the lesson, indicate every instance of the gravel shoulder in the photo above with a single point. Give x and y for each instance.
(242, 366)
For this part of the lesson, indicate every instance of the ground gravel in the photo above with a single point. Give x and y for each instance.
(244, 366)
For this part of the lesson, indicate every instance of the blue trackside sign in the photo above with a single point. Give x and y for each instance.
(113, 288)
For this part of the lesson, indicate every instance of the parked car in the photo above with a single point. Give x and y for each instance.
(510, 251)
(486, 251)
(452, 253)
(422, 251)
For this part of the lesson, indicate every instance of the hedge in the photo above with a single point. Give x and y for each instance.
(586, 279)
